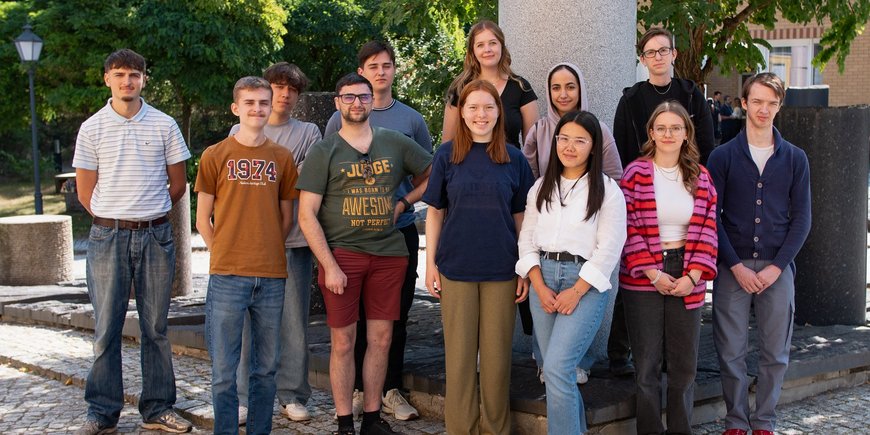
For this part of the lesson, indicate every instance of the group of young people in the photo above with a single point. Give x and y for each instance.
(520, 210)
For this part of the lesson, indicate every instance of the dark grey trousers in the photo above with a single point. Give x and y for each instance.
(774, 315)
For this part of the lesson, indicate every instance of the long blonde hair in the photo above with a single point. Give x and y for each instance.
(690, 157)
(462, 143)
(471, 66)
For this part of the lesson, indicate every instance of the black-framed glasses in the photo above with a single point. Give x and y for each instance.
(664, 51)
(366, 169)
(348, 98)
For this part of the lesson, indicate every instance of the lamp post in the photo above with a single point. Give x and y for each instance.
(29, 47)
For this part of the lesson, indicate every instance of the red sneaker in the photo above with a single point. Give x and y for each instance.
(762, 432)
(734, 432)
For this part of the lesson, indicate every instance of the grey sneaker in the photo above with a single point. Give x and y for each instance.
(169, 421)
(93, 427)
(395, 403)
(582, 376)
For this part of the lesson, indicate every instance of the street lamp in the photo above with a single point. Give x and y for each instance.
(29, 47)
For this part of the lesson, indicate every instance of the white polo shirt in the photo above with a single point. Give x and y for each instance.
(130, 157)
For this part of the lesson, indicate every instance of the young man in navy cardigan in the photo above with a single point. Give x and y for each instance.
(763, 183)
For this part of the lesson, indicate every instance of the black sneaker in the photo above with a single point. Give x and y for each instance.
(621, 367)
(379, 427)
(345, 432)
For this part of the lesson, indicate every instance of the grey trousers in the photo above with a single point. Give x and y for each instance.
(774, 315)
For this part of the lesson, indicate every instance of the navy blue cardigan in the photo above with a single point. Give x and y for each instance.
(764, 216)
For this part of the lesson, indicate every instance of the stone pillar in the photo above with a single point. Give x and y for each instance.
(596, 35)
(36, 249)
(179, 218)
(831, 280)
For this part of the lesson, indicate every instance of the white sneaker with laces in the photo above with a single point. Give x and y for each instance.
(582, 376)
(243, 415)
(296, 411)
(357, 407)
(395, 403)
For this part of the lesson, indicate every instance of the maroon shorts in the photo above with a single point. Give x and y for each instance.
(377, 279)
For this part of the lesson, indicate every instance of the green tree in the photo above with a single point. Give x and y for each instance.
(711, 34)
(198, 49)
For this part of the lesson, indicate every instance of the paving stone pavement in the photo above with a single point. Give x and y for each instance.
(34, 404)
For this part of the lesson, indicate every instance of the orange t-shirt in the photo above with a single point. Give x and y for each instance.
(248, 184)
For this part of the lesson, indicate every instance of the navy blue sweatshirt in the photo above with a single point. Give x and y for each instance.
(764, 216)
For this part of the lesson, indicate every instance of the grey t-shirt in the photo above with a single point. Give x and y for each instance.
(400, 117)
(297, 136)
(356, 212)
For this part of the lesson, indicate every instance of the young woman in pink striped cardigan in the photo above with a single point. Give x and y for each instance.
(669, 255)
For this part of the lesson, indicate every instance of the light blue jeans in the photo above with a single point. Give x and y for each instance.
(229, 299)
(291, 377)
(116, 259)
(564, 340)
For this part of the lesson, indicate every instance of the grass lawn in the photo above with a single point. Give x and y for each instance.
(16, 198)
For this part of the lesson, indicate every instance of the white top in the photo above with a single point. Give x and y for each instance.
(760, 156)
(130, 157)
(674, 204)
(562, 229)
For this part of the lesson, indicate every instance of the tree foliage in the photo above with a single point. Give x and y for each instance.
(711, 34)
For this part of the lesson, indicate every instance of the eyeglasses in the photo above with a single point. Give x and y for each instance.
(664, 51)
(368, 172)
(348, 98)
(575, 141)
(661, 130)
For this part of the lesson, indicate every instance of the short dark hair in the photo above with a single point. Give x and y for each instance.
(373, 48)
(283, 73)
(352, 79)
(717, 93)
(652, 33)
(768, 79)
(125, 58)
(250, 83)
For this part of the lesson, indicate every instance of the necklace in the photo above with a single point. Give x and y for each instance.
(655, 88)
(673, 172)
(559, 187)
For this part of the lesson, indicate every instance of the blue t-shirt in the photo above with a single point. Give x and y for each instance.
(479, 238)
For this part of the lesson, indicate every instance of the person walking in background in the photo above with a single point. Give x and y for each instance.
(764, 189)
(348, 213)
(291, 375)
(487, 58)
(247, 184)
(125, 156)
(657, 53)
(566, 92)
(572, 236)
(377, 63)
(669, 256)
(477, 195)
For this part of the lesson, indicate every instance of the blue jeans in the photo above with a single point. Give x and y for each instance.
(116, 259)
(564, 339)
(229, 299)
(291, 377)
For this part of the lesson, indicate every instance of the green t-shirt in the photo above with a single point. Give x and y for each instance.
(357, 208)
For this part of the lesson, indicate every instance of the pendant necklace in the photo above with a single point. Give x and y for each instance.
(563, 198)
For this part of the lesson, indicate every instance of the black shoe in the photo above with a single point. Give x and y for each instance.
(345, 432)
(621, 367)
(379, 427)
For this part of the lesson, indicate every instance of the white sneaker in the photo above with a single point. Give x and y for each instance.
(582, 376)
(541, 375)
(243, 415)
(296, 411)
(357, 407)
(395, 403)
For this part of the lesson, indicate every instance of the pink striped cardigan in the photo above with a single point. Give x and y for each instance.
(643, 249)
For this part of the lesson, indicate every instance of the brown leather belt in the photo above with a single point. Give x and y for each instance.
(562, 256)
(129, 225)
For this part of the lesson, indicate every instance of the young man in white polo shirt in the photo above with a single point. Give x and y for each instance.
(125, 156)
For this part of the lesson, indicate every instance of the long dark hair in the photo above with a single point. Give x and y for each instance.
(593, 165)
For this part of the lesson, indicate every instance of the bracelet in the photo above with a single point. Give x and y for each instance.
(407, 204)
(656, 279)
(694, 283)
